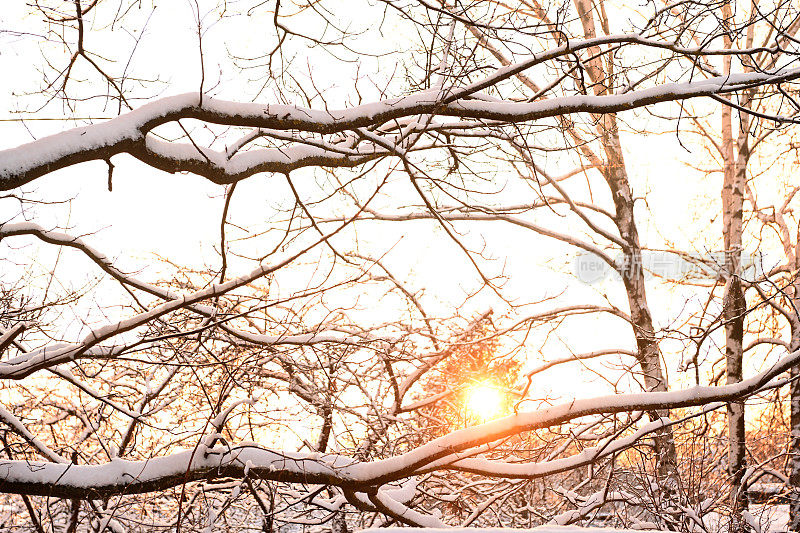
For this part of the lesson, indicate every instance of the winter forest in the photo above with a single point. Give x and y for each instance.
(308, 266)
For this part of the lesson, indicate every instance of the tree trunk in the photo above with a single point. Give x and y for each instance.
(615, 173)
(794, 402)
(733, 314)
(734, 305)
(648, 353)
(794, 442)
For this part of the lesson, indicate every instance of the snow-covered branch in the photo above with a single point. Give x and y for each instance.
(121, 476)
(129, 132)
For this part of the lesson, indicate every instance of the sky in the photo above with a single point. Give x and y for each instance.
(153, 212)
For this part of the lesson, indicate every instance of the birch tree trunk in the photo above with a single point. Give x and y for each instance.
(794, 445)
(794, 401)
(615, 174)
(733, 312)
(734, 305)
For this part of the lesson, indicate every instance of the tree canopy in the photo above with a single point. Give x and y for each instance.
(258, 257)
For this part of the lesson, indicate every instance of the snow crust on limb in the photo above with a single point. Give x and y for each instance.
(52, 355)
(128, 133)
(479, 465)
(19, 428)
(104, 263)
(121, 476)
(393, 502)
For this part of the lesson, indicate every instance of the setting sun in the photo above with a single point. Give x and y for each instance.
(484, 401)
(316, 266)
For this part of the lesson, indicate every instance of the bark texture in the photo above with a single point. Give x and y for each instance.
(616, 176)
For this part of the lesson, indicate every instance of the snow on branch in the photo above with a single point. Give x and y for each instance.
(90, 347)
(129, 133)
(105, 264)
(120, 476)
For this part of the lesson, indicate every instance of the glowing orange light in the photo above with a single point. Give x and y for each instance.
(484, 402)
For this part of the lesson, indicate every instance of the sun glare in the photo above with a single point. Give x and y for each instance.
(484, 402)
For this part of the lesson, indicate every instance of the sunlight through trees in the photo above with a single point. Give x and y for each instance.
(311, 265)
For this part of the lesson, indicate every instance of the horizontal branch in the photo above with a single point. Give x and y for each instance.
(91, 345)
(129, 477)
(129, 133)
(106, 265)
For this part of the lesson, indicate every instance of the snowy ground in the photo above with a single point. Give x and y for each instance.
(772, 519)
(540, 529)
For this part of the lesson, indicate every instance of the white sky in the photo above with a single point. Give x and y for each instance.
(150, 211)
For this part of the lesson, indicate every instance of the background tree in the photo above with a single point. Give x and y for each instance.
(363, 219)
